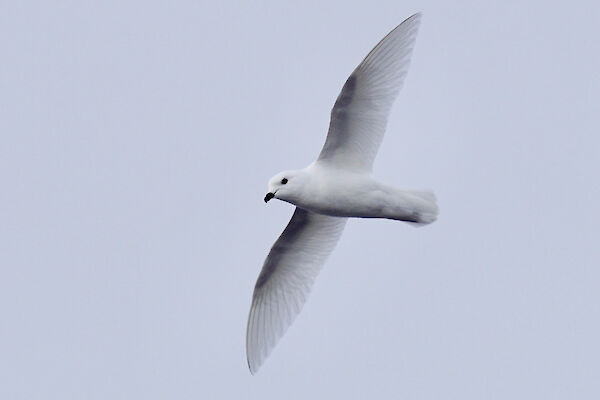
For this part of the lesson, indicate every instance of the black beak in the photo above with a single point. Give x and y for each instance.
(269, 196)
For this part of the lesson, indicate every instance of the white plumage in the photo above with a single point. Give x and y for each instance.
(336, 186)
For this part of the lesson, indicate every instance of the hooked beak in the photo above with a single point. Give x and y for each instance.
(269, 196)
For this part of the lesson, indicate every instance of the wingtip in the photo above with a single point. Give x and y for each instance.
(415, 18)
(253, 370)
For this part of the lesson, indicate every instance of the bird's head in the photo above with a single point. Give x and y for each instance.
(286, 186)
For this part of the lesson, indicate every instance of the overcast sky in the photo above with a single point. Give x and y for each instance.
(137, 139)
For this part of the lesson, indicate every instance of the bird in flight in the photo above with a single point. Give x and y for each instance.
(337, 186)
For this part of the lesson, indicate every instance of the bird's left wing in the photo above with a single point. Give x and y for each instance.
(359, 116)
(286, 279)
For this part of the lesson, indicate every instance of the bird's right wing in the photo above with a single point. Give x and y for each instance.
(286, 279)
(359, 116)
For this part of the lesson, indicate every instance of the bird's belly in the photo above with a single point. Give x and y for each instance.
(348, 203)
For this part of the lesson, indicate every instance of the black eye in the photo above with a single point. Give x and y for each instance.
(284, 181)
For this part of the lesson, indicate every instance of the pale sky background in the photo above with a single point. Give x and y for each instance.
(137, 139)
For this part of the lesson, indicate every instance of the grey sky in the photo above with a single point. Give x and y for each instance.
(137, 141)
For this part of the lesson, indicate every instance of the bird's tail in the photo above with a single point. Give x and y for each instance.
(423, 205)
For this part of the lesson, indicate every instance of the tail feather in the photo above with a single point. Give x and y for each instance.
(425, 209)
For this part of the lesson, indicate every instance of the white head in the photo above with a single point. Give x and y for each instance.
(286, 186)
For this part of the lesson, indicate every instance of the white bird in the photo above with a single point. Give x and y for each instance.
(336, 186)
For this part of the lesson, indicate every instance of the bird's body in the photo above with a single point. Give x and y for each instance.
(337, 186)
(330, 190)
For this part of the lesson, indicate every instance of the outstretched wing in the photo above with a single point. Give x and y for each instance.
(359, 116)
(286, 279)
